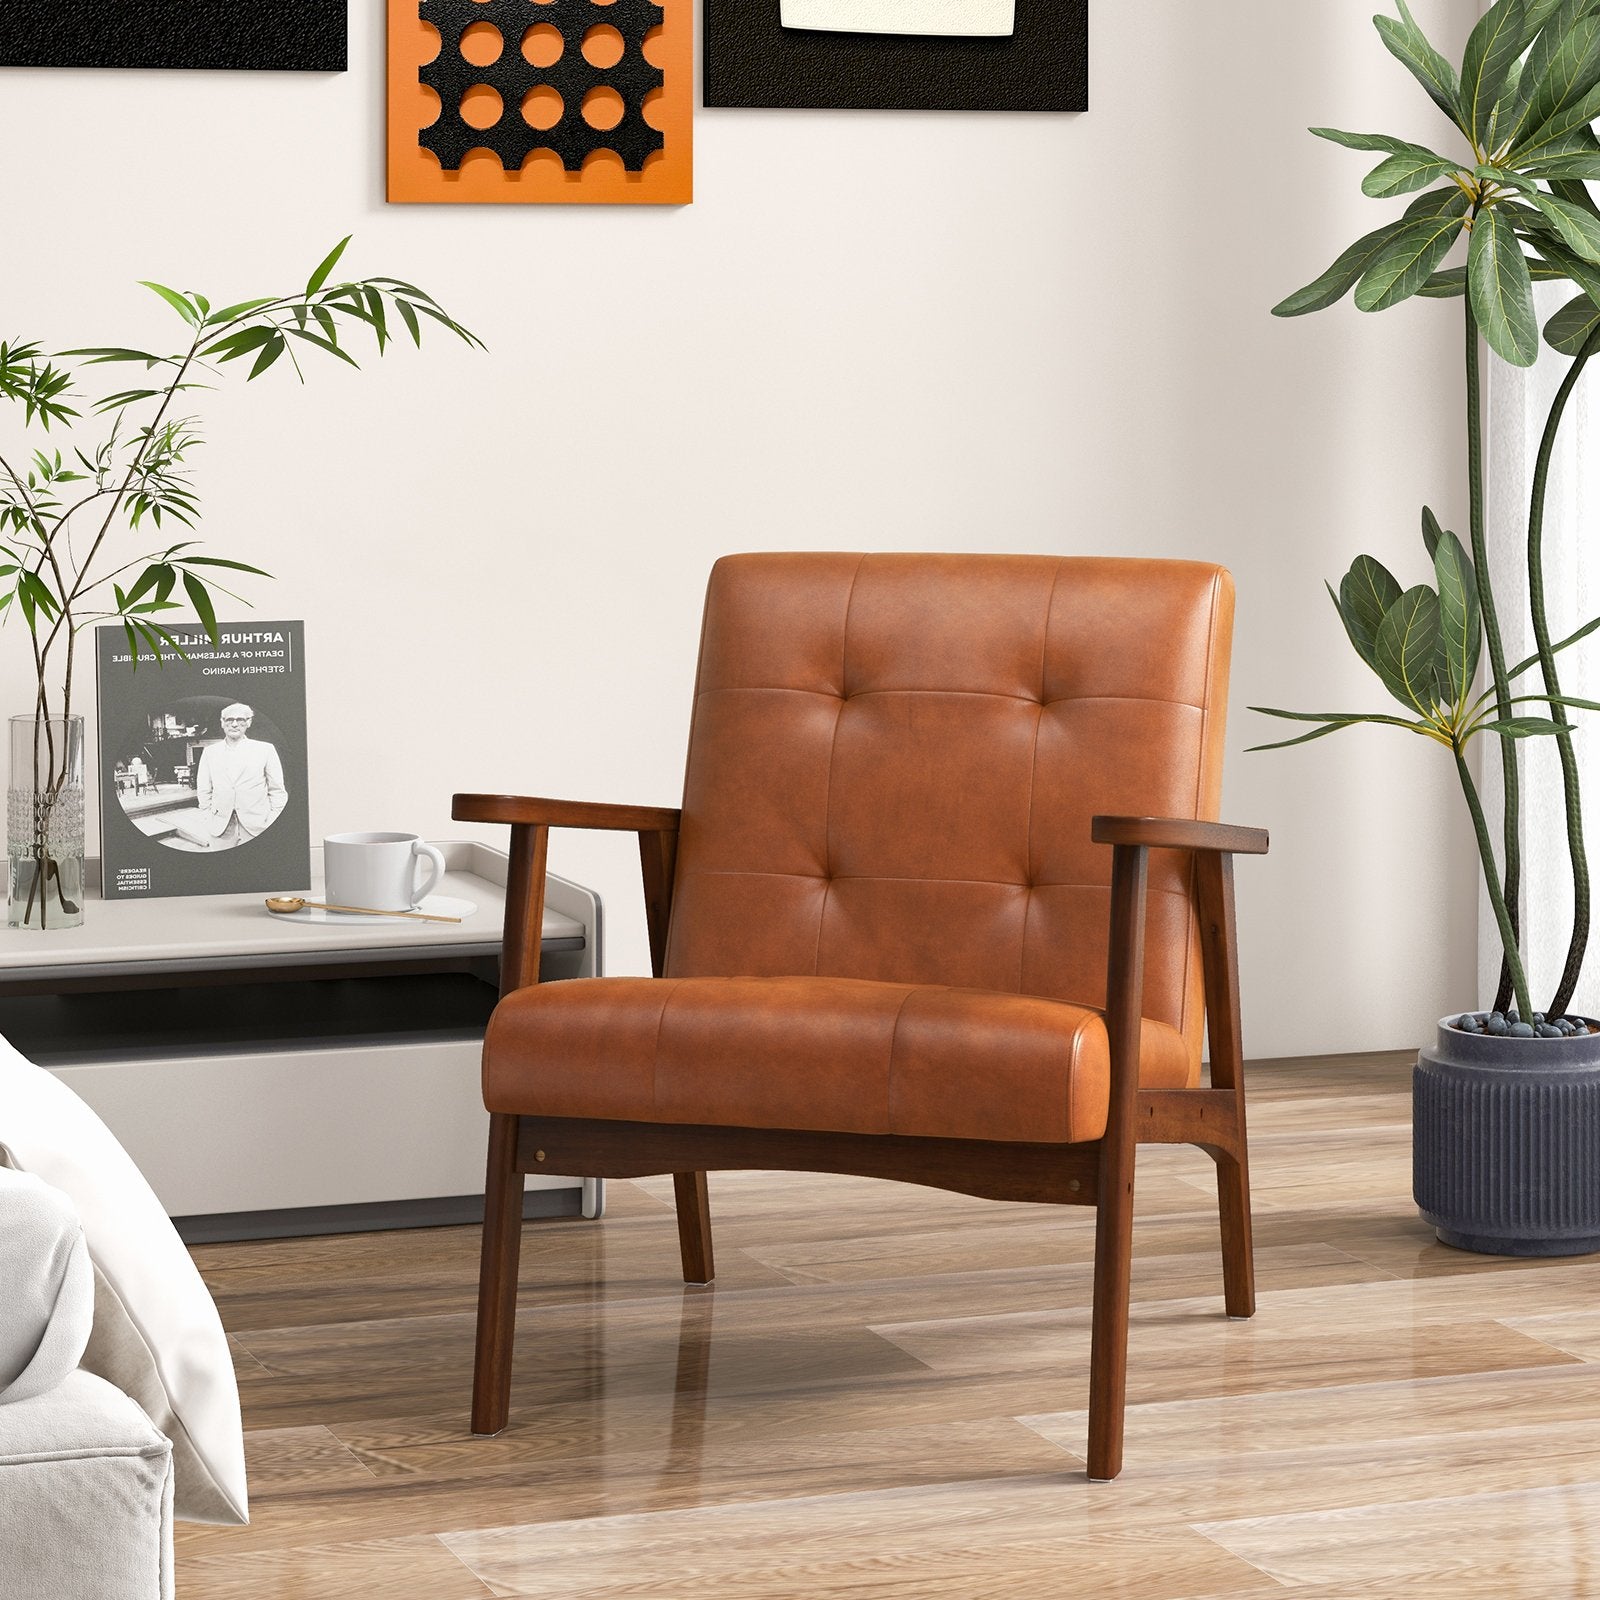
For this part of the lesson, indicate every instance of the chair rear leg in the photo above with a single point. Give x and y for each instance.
(1238, 1249)
(1219, 943)
(694, 1226)
(497, 1279)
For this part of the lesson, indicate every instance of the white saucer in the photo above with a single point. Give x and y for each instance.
(441, 905)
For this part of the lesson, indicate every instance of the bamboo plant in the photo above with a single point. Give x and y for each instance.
(1511, 187)
(67, 515)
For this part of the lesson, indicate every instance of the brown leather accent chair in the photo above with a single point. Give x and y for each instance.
(944, 904)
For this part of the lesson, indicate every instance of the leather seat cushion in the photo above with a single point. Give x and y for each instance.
(838, 1055)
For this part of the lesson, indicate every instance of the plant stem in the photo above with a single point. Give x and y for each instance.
(1511, 806)
(1570, 793)
(1491, 879)
(47, 797)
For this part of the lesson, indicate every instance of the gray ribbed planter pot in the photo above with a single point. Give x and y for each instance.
(1506, 1143)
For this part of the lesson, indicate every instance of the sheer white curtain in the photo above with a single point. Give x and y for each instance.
(1518, 403)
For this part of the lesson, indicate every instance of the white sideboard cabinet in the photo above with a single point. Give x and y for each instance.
(273, 1075)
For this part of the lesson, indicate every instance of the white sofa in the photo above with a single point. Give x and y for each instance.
(86, 1479)
(118, 1405)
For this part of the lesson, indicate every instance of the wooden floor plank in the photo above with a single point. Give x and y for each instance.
(883, 1396)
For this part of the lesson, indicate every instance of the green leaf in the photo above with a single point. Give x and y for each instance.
(242, 309)
(179, 303)
(1432, 533)
(171, 643)
(1446, 285)
(232, 345)
(348, 302)
(328, 263)
(1501, 290)
(1366, 595)
(1460, 623)
(1408, 43)
(270, 351)
(1538, 13)
(1579, 231)
(98, 354)
(1302, 738)
(1492, 46)
(1334, 721)
(151, 636)
(1580, 141)
(1559, 19)
(217, 561)
(1555, 649)
(31, 586)
(411, 289)
(1576, 193)
(1571, 328)
(1580, 164)
(1562, 263)
(409, 317)
(1507, 109)
(379, 321)
(465, 335)
(1380, 143)
(1401, 174)
(1337, 281)
(324, 344)
(1487, 172)
(1561, 700)
(1564, 120)
(147, 581)
(1404, 264)
(1406, 649)
(1525, 727)
(125, 397)
(1435, 203)
(200, 599)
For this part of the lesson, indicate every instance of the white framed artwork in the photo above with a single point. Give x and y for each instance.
(935, 18)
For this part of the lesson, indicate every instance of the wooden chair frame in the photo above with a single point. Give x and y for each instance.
(1098, 1173)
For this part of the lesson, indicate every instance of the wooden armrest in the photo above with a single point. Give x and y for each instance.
(527, 810)
(531, 820)
(1179, 833)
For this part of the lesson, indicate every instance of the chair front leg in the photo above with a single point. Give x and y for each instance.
(1113, 1238)
(497, 1279)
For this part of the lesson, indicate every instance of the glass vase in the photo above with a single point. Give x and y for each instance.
(44, 823)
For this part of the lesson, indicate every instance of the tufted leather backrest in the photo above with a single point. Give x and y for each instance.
(893, 762)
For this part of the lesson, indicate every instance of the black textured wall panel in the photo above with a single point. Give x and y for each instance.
(281, 35)
(751, 59)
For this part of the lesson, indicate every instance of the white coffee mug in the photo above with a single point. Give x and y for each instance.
(378, 871)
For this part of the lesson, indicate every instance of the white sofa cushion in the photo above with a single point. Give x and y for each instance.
(49, 1287)
(85, 1497)
(157, 1335)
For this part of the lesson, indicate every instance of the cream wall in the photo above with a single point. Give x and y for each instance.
(871, 330)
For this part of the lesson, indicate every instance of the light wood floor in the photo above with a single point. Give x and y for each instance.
(882, 1397)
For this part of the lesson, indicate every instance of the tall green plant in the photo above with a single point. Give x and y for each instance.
(61, 567)
(1522, 105)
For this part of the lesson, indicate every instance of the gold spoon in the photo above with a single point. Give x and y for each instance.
(284, 904)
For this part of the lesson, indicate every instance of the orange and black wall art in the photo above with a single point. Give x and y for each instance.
(585, 101)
